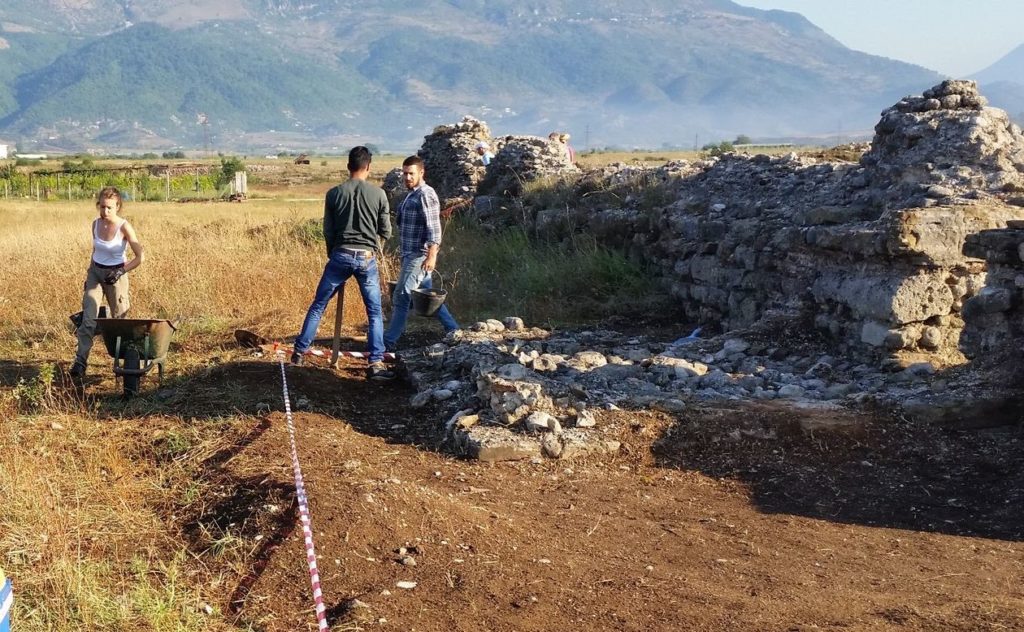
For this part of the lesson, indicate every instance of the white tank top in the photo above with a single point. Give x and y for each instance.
(112, 252)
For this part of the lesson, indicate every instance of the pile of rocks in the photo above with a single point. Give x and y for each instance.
(522, 159)
(503, 391)
(870, 252)
(394, 186)
(452, 163)
(944, 147)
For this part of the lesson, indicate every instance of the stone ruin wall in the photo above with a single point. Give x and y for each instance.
(890, 255)
(871, 252)
(995, 315)
(523, 159)
(450, 161)
(456, 171)
(452, 164)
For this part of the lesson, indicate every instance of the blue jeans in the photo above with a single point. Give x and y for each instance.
(411, 277)
(340, 266)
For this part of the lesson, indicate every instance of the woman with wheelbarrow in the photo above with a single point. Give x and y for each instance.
(112, 235)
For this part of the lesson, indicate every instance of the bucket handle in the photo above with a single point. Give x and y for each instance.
(440, 277)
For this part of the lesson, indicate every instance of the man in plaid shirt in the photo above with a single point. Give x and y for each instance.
(419, 233)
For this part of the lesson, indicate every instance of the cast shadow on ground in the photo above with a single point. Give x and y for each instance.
(226, 510)
(846, 468)
(252, 386)
(240, 400)
(12, 372)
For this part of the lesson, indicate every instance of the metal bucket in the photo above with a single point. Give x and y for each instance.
(426, 301)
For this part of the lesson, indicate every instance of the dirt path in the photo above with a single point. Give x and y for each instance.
(716, 520)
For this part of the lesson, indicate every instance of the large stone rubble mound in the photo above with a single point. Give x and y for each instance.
(524, 159)
(870, 252)
(456, 171)
(453, 166)
(944, 147)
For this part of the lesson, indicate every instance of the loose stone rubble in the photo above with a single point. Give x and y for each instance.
(506, 392)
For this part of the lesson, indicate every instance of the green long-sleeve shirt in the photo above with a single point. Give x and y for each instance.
(355, 216)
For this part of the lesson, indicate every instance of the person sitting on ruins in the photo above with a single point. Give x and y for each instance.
(570, 153)
(485, 152)
(562, 140)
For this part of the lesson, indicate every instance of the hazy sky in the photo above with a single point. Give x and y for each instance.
(953, 37)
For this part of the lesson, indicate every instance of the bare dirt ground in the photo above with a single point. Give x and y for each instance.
(743, 518)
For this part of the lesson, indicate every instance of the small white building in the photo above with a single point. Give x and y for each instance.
(3, 151)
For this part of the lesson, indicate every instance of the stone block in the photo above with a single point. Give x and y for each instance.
(488, 443)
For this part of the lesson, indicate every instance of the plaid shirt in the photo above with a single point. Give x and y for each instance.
(419, 221)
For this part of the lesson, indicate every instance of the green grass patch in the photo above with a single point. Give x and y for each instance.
(511, 274)
(545, 193)
(309, 232)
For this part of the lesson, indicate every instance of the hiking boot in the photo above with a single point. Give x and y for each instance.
(77, 370)
(379, 372)
(297, 359)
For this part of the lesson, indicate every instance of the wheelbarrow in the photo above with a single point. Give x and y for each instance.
(137, 345)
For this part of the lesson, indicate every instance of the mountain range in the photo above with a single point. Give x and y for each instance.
(265, 75)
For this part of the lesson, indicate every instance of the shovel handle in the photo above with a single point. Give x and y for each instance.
(339, 317)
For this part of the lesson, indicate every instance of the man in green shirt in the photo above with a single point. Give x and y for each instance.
(355, 218)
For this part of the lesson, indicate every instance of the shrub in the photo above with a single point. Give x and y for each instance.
(717, 150)
(308, 233)
(36, 394)
(229, 166)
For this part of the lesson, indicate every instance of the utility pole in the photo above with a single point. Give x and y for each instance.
(204, 121)
(586, 137)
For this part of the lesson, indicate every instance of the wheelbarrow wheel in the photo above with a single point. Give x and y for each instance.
(131, 382)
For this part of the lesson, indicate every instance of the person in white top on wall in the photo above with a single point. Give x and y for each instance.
(484, 151)
(106, 277)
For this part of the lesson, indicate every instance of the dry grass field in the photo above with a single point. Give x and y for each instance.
(175, 510)
(206, 263)
(84, 524)
(78, 509)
